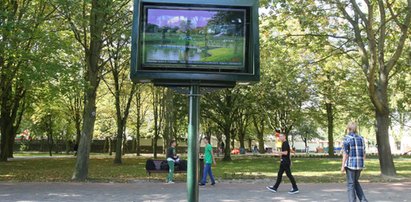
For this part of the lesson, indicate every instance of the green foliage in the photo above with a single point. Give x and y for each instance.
(309, 58)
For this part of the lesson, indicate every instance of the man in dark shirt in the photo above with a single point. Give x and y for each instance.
(285, 165)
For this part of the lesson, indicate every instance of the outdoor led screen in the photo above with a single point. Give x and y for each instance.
(181, 37)
(211, 42)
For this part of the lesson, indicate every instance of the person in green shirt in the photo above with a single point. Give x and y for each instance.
(208, 160)
(171, 158)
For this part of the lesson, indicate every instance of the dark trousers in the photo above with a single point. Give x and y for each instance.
(353, 186)
(285, 167)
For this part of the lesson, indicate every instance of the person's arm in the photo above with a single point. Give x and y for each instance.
(212, 156)
(344, 160)
(345, 149)
(280, 153)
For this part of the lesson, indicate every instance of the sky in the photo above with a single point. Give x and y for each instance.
(173, 17)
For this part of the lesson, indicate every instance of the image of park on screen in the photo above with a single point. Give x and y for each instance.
(194, 37)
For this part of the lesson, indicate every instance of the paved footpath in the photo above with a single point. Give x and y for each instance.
(225, 192)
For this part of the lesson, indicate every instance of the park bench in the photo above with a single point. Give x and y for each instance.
(161, 166)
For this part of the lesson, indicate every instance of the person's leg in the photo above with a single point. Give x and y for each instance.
(279, 177)
(350, 185)
(170, 171)
(205, 173)
(210, 173)
(290, 176)
(358, 188)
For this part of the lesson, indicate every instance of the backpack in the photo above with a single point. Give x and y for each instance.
(150, 165)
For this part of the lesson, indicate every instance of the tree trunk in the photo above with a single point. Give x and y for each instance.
(125, 148)
(169, 118)
(384, 150)
(260, 137)
(155, 113)
(10, 119)
(233, 142)
(50, 143)
(330, 124)
(105, 145)
(11, 143)
(138, 124)
(133, 144)
(250, 144)
(155, 146)
(78, 129)
(227, 150)
(158, 115)
(92, 77)
(50, 134)
(17, 120)
(6, 129)
(241, 138)
(155, 131)
(259, 125)
(89, 118)
(138, 143)
(110, 146)
(306, 145)
(119, 143)
(4, 122)
(287, 130)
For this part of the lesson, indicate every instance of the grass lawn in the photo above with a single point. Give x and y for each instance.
(102, 169)
(223, 55)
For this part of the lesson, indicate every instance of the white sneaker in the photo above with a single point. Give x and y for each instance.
(271, 189)
(170, 182)
(293, 191)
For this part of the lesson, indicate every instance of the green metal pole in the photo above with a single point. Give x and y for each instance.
(193, 147)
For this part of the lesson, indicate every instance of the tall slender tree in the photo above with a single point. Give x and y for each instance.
(89, 27)
(118, 84)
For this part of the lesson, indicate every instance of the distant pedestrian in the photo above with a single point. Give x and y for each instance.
(353, 162)
(171, 158)
(255, 150)
(285, 166)
(208, 159)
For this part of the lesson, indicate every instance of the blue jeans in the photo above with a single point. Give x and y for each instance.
(207, 171)
(353, 186)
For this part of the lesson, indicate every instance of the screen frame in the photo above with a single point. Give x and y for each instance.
(212, 77)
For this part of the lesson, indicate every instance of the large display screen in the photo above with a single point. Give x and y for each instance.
(182, 37)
